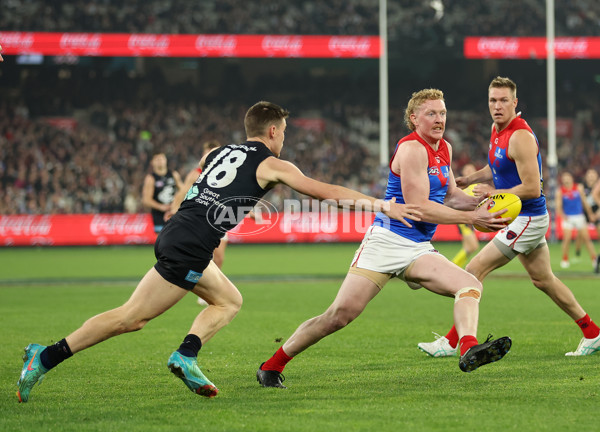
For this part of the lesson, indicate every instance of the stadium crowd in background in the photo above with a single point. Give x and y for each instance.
(95, 162)
(420, 20)
(98, 163)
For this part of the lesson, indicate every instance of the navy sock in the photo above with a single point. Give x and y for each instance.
(190, 346)
(55, 354)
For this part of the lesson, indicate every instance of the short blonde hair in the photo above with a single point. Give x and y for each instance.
(503, 82)
(418, 99)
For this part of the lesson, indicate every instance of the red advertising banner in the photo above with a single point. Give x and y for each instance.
(122, 229)
(199, 45)
(531, 47)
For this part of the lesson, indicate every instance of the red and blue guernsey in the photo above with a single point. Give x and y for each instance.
(571, 200)
(504, 169)
(438, 169)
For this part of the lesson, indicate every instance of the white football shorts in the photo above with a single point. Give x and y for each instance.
(523, 235)
(571, 222)
(386, 252)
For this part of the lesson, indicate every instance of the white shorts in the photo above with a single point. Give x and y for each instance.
(386, 252)
(574, 222)
(523, 235)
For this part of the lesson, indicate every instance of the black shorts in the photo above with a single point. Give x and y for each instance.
(183, 251)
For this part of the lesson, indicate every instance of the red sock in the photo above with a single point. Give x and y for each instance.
(588, 327)
(277, 362)
(452, 337)
(467, 342)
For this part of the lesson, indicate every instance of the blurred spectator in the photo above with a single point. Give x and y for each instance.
(428, 22)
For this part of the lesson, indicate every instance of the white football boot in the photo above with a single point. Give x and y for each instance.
(438, 348)
(586, 347)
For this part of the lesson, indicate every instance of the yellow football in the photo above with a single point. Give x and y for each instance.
(469, 189)
(501, 201)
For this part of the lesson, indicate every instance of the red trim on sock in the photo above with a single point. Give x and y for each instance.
(277, 362)
(452, 337)
(466, 342)
(588, 327)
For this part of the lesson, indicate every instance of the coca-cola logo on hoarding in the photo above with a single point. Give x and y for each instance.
(25, 225)
(148, 41)
(16, 40)
(357, 46)
(573, 47)
(80, 41)
(123, 224)
(216, 43)
(288, 45)
(506, 46)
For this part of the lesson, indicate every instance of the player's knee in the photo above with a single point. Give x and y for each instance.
(471, 268)
(128, 320)
(339, 318)
(468, 293)
(542, 283)
(232, 305)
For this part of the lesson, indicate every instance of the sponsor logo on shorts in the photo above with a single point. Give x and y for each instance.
(193, 276)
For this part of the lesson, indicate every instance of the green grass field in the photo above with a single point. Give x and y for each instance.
(369, 376)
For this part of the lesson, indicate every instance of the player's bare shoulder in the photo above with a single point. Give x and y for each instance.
(521, 144)
(273, 170)
(411, 151)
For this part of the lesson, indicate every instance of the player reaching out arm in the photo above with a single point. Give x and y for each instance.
(234, 176)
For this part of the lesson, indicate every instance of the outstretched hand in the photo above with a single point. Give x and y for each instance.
(401, 211)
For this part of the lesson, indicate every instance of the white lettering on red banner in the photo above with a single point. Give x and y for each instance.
(531, 47)
(148, 42)
(80, 41)
(289, 46)
(24, 225)
(355, 46)
(200, 45)
(120, 229)
(16, 40)
(104, 224)
(222, 45)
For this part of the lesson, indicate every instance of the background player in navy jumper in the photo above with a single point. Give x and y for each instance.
(160, 187)
(185, 246)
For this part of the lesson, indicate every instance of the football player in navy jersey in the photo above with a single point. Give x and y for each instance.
(160, 187)
(515, 166)
(233, 178)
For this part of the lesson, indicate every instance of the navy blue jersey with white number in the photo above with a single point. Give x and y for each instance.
(223, 194)
(227, 189)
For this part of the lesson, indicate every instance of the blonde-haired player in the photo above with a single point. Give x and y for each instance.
(420, 173)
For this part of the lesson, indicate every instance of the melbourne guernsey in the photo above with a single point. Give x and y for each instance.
(438, 170)
(504, 169)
